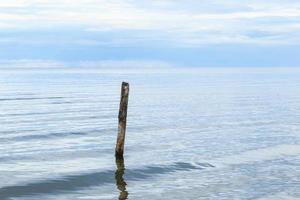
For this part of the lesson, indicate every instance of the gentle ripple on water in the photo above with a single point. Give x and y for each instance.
(192, 134)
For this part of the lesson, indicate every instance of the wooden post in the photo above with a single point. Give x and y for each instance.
(122, 121)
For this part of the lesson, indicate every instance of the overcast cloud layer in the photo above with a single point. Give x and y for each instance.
(138, 30)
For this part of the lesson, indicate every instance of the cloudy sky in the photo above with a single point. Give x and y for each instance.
(172, 32)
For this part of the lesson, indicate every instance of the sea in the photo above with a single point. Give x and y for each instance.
(192, 133)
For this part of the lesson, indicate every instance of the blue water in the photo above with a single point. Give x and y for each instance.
(192, 134)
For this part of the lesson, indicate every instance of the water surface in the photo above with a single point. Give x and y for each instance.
(192, 134)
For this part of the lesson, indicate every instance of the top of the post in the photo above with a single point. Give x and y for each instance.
(125, 84)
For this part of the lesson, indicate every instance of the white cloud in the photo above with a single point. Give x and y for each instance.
(102, 64)
(185, 22)
(151, 64)
(25, 64)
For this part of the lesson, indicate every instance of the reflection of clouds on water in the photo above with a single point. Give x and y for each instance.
(243, 121)
(279, 196)
(260, 155)
(83, 181)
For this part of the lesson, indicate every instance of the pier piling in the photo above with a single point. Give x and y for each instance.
(122, 121)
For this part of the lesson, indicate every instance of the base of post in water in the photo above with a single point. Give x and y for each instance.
(120, 181)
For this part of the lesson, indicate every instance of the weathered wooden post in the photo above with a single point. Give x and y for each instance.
(122, 121)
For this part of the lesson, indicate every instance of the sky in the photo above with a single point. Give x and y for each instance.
(196, 33)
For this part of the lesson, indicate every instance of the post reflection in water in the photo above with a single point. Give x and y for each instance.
(120, 182)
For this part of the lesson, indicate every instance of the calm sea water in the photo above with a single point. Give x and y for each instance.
(192, 134)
